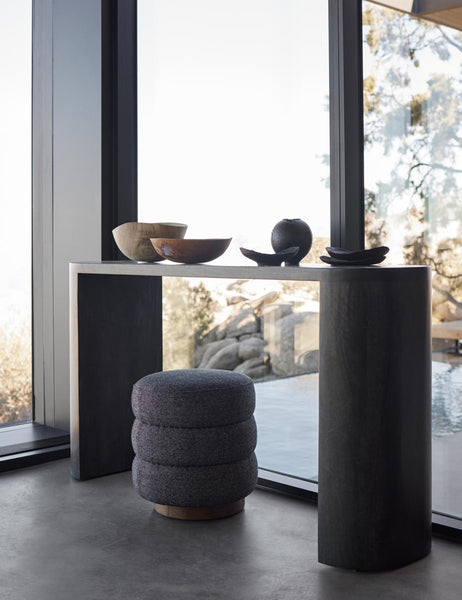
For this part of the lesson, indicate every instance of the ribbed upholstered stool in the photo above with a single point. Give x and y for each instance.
(194, 438)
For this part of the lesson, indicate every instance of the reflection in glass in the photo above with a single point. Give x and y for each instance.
(413, 179)
(268, 330)
(15, 212)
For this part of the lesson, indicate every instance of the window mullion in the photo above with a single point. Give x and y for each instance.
(346, 124)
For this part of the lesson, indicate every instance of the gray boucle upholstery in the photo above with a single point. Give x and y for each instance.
(194, 446)
(194, 437)
(214, 485)
(193, 398)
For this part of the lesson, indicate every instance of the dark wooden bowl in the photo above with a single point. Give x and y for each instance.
(338, 262)
(344, 254)
(190, 250)
(270, 260)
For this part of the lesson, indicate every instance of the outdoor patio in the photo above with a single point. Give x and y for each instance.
(287, 418)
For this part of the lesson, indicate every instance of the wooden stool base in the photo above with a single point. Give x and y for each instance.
(201, 513)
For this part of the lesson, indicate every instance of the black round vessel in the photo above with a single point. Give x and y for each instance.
(292, 232)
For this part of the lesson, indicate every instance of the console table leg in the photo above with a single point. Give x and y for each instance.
(116, 338)
(375, 421)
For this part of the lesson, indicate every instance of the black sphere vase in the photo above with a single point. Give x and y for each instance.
(292, 232)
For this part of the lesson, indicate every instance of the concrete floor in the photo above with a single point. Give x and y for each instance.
(63, 540)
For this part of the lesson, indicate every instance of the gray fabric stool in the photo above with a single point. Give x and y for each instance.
(194, 438)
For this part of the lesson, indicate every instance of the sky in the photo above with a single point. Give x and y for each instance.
(15, 157)
(233, 121)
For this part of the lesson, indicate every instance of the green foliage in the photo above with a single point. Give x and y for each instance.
(187, 317)
(15, 370)
(203, 306)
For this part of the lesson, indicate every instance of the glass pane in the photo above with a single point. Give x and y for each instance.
(233, 118)
(413, 176)
(15, 212)
(268, 330)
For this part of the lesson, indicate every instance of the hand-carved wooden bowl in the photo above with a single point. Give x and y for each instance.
(191, 250)
(133, 239)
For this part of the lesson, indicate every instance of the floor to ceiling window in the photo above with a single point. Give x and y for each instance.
(413, 181)
(15, 212)
(233, 136)
(233, 120)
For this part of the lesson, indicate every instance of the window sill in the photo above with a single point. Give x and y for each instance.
(29, 444)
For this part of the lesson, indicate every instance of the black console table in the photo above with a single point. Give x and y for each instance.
(374, 498)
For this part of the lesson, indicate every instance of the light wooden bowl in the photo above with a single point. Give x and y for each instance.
(191, 250)
(132, 239)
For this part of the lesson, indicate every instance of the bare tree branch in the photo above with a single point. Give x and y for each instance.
(435, 166)
(448, 296)
(436, 269)
(449, 39)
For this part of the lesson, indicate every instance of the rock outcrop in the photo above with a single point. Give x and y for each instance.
(264, 337)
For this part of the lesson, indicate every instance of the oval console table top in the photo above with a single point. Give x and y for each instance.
(308, 272)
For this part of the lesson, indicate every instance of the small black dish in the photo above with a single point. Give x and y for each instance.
(270, 260)
(344, 254)
(338, 262)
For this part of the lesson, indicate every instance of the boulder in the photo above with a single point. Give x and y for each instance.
(210, 336)
(216, 334)
(221, 333)
(244, 322)
(205, 352)
(228, 353)
(227, 358)
(235, 300)
(256, 368)
(308, 362)
(250, 348)
(247, 336)
(264, 300)
(236, 284)
(290, 341)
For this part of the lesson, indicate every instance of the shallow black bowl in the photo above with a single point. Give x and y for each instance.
(270, 260)
(338, 262)
(344, 254)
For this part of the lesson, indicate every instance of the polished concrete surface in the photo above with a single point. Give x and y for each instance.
(64, 539)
